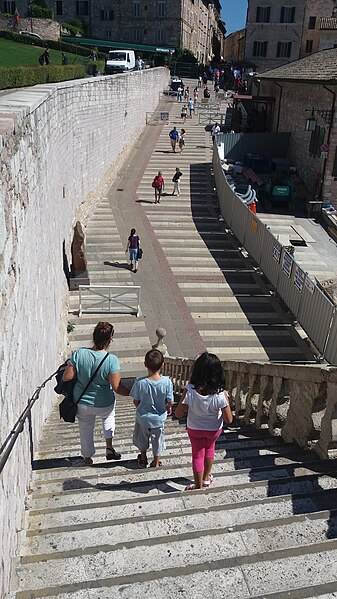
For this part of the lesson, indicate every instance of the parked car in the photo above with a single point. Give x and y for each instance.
(31, 34)
(175, 83)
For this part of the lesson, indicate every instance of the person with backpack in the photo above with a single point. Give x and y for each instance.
(158, 185)
(205, 401)
(98, 397)
(176, 181)
(133, 247)
(173, 135)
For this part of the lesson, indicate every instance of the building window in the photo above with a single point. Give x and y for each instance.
(107, 15)
(287, 14)
(283, 50)
(308, 46)
(312, 23)
(82, 8)
(316, 140)
(162, 8)
(160, 35)
(9, 7)
(136, 35)
(260, 49)
(136, 9)
(108, 34)
(263, 14)
(59, 8)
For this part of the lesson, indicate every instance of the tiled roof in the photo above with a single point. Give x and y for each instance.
(328, 23)
(321, 66)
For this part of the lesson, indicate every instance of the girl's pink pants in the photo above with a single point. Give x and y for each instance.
(203, 447)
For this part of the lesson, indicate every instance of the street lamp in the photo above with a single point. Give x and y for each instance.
(310, 123)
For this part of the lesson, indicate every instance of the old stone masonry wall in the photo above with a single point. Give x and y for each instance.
(57, 141)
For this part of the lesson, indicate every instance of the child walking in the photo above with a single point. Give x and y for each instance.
(206, 403)
(153, 398)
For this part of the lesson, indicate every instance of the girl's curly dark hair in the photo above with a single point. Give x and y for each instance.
(207, 375)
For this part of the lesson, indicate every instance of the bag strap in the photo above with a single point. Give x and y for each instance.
(92, 378)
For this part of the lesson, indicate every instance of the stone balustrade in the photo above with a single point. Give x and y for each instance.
(297, 402)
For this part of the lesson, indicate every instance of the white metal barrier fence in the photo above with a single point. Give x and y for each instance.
(102, 299)
(316, 314)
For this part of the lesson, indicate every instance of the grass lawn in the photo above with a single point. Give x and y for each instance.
(13, 54)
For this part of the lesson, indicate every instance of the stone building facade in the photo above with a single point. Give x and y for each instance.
(298, 88)
(314, 11)
(234, 46)
(328, 33)
(194, 24)
(280, 32)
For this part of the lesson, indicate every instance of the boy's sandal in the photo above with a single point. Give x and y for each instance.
(141, 463)
(111, 454)
(153, 465)
(207, 483)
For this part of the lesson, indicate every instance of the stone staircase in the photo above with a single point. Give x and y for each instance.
(265, 528)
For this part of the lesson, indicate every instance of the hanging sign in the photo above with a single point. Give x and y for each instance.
(287, 263)
(277, 249)
(299, 276)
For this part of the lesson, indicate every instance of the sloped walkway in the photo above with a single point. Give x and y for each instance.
(267, 526)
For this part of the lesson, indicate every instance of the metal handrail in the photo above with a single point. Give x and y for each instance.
(8, 444)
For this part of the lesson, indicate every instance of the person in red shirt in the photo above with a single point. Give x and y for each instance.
(158, 184)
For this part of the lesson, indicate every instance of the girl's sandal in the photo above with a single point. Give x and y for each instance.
(207, 483)
(153, 465)
(111, 454)
(192, 487)
(141, 463)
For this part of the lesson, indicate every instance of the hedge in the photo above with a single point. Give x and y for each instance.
(39, 12)
(25, 76)
(60, 45)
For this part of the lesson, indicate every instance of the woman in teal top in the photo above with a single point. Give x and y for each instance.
(99, 397)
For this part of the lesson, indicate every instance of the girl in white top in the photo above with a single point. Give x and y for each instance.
(205, 401)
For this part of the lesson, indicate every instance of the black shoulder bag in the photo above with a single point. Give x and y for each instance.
(68, 406)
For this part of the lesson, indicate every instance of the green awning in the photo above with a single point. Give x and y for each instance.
(118, 45)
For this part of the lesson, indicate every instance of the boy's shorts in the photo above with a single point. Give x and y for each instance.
(142, 436)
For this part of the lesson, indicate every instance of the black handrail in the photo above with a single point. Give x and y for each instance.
(8, 444)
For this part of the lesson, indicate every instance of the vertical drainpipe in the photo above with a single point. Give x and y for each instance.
(329, 135)
(279, 105)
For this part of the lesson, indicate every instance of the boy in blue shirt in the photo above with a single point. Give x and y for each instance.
(153, 398)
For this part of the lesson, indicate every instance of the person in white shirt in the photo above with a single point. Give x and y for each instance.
(215, 131)
(190, 105)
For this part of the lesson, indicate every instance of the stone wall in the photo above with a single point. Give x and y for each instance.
(291, 116)
(57, 142)
(45, 28)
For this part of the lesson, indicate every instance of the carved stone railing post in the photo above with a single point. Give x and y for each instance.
(299, 426)
(328, 434)
(161, 333)
(274, 420)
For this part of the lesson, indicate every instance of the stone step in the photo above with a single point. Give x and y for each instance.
(302, 576)
(226, 549)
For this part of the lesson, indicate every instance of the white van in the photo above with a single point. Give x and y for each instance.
(119, 61)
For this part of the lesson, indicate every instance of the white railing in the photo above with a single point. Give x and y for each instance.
(103, 299)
